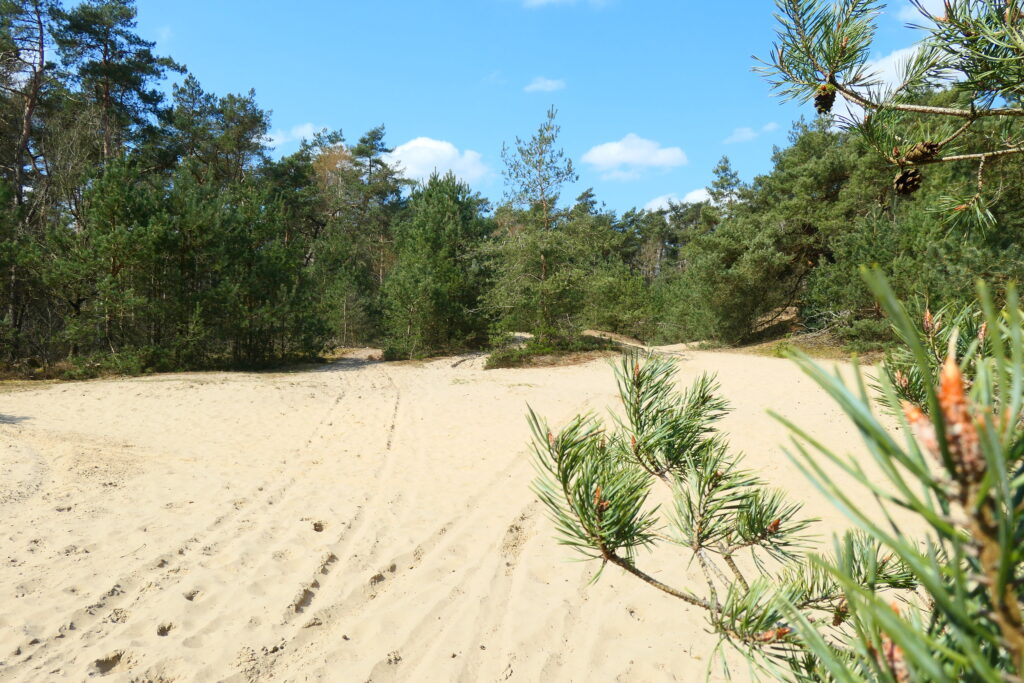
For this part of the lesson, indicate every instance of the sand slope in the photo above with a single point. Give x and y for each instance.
(365, 521)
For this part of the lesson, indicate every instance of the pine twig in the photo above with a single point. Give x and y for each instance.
(665, 588)
(731, 563)
(953, 112)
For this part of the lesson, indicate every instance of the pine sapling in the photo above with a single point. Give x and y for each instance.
(749, 540)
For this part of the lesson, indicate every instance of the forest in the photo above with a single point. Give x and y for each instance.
(146, 228)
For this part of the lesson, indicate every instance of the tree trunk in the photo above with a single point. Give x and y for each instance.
(31, 95)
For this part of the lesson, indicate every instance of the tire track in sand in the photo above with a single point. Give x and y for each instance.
(105, 614)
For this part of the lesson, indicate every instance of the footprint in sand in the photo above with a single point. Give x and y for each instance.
(108, 664)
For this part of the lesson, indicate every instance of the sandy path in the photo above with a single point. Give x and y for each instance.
(363, 521)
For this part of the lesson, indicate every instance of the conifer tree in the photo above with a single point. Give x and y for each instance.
(726, 186)
(432, 295)
(113, 67)
(959, 469)
(24, 53)
(537, 281)
(535, 172)
(362, 199)
(887, 604)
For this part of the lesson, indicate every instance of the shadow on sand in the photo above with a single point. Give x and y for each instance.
(347, 365)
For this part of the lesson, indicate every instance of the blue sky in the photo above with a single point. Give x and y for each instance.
(650, 93)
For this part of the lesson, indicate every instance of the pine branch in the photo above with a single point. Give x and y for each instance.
(731, 563)
(976, 49)
(971, 114)
(647, 578)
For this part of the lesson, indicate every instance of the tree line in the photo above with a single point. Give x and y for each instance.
(146, 229)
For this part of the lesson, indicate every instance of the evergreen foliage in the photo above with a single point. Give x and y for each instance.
(537, 274)
(974, 50)
(943, 605)
(432, 294)
(960, 470)
(749, 542)
(144, 232)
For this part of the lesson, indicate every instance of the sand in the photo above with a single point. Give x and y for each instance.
(359, 521)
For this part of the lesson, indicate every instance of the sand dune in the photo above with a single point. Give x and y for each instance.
(364, 521)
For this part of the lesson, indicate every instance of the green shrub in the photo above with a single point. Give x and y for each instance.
(534, 348)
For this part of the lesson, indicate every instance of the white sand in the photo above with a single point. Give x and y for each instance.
(363, 521)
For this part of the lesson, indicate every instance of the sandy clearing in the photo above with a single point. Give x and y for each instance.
(356, 522)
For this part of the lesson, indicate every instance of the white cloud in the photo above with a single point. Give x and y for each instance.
(280, 137)
(701, 194)
(886, 73)
(164, 35)
(541, 84)
(909, 13)
(420, 157)
(692, 197)
(625, 159)
(888, 68)
(662, 202)
(741, 135)
(746, 134)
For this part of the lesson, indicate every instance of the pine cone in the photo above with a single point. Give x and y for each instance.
(825, 98)
(908, 181)
(922, 151)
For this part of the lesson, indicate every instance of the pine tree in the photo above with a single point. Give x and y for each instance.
(23, 64)
(222, 138)
(960, 471)
(380, 199)
(537, 279)
(535, 172)
(726, 187)
(113, 67)
(432, 296)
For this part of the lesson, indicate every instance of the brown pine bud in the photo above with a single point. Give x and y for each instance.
(922, 428)
(772, 635)
(961, 435)
(841, 612)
